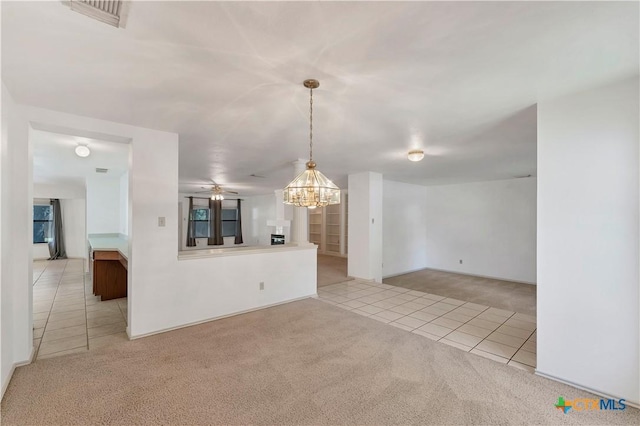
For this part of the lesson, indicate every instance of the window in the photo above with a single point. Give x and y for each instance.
(42, 221)
(200, 218)
(229, 218)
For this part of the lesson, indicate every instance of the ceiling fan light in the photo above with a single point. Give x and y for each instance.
(415, 155)
(82, 151)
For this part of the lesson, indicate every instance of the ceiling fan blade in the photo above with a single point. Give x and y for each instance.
(230, 192)
(203, 192)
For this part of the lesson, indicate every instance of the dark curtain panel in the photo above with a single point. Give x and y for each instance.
(191, 241)
(215, 223)
(239, 225)
(212, 224)
(56, 244)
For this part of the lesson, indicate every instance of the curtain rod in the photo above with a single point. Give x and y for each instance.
(208, 198)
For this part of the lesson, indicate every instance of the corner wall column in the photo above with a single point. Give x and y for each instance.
(365, 226)
(300, 226)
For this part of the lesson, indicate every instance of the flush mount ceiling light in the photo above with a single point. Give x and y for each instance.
(415, 155)
(82, 151)
(311, 188)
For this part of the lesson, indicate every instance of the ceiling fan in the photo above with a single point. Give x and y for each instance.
(216, 192)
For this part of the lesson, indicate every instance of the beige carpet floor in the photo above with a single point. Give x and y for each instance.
(501, 294)
(331, 270)
(305, 362)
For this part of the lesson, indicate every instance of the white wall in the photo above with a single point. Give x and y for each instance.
(588, 239)
(365, 226)
(404, 230)
(163, 291)
(490, 226)
(124, 204)
(16, 236)
(73, 206)
(262, 208)
(103, 205)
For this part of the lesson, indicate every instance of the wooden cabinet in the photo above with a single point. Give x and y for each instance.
(109, 274)
(328, 228)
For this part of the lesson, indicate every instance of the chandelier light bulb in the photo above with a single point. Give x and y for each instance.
(415, 155)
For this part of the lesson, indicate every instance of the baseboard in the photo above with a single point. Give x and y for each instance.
(6, 384)
(407, 272)
(13, 369)
(634, 404)
(191, 324)
(462, 273)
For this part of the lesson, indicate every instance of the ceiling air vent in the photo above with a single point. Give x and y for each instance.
(108, 11)
(99, 170)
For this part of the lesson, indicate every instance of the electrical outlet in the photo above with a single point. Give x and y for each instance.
(162, 221)
(261, 285)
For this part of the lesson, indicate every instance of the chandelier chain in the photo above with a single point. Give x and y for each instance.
(310, 124)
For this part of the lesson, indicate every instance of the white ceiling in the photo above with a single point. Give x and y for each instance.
(55, 160)
(458, 79)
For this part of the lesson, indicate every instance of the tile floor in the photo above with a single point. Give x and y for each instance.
(504, 336)
(67, 318)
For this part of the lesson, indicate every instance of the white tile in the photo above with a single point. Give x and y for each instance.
(463, 338)
(475, 306)
(370, 309)
(474, 330)
(381, 319)
(447, 322)
(524, 317)
(524, 325)
(402, 309)
(455, 344)
(496, 348)
(525, 357)
(391, 316)
(453, 301)
(521, 366)
(437, 330)
(354, 304)
(401, 326)
(489, 356)
(424, 316)
(457, 316)
(411, 322)
(425, 334)
(505, 339)
(384, 304)
(479, 322)
(500, 312)
(530, 346)
(512, 331)
(433, 297)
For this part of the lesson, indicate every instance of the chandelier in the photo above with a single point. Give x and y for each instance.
(311, 188)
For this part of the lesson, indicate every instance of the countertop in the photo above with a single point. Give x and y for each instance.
(243, 250)
(110, 242)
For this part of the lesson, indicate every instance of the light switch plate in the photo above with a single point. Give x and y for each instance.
(161, 221)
